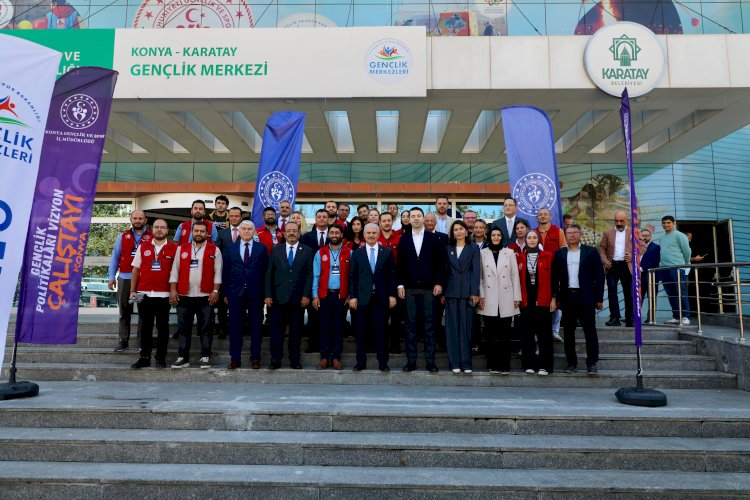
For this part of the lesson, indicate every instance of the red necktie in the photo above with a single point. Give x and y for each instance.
(283, 224)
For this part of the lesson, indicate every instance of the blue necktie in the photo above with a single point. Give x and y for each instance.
(290, 258)
(372, 260)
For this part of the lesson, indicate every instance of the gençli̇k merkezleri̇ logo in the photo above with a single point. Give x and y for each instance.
(8, 114)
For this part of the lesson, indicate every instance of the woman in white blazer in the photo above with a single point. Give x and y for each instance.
(500, 298)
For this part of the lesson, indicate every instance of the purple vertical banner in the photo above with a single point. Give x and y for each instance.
(61, 211)
(635, 218)
(532, 165)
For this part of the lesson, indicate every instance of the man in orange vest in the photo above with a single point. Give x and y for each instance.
(194, 285)
(551, 238)
(184, 233)
(330, 290)
(121, 265)
(152, 266)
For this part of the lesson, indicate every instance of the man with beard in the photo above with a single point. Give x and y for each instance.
(330, 291)
(195, 282)
(362, 210)
(442, 218)
(152, 266)
(333, 209)
(220, 216)
(392, 208)
(121, 265)
(617, 259)
(270, 234)
(184, 232)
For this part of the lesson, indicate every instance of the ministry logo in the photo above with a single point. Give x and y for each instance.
(533, 192)
(625, 50)
(79, 111)
(275, 187)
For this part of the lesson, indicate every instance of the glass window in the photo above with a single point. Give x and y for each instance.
(370, 172)
(134, 172)
(245, 172)
(213, 172)
(107, 172)
(174, 172)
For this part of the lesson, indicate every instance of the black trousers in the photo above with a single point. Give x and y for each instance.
(282, 315)
(573, 312)
(536, 325)
(153, 309)
(187, 309)
(372, 318)
(620, 272)
(498, 333)
(332, 317)
(394, 330)
(239, 308)
(419, 311)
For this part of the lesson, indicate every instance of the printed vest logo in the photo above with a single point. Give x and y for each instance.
(275, 187)
(79, 111)
(388, 61)
(533, 192)
(625, 55)
(193, 14)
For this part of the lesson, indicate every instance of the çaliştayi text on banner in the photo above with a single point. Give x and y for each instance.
(63, 200)
(26, 84)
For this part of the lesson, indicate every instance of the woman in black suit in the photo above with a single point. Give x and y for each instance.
(461, 296)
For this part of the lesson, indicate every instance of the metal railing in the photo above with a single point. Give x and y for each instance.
(726, 275)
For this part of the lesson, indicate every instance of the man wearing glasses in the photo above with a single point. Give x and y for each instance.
(507, 223)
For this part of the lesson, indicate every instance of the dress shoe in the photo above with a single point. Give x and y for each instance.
(161, 363)
(255, 364)
(410, 367)
(337, 365)
(274, 366)
(613, 322)
(323, 364)
(629, 324)
(591, 370)
(358, 368)
(432, 368)
(233, 365)
(571, 369)
(295, 366)
(384, 368)
(141, 363)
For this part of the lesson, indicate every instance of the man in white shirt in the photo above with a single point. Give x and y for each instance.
(285, 212)
(616, 254)
(507, 223)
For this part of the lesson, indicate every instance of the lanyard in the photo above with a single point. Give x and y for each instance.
(195, 251)
(334, 260)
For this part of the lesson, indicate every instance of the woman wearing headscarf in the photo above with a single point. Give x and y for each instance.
(500, 293)
(535, 272)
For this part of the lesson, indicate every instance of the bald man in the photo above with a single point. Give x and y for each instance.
(121, 269)
(616, 254)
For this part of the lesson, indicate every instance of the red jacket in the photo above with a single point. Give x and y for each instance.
(265, 237)
(185, 228)
(543, 278)
(551, 242)
(391, 243)
(156, 281)
(207, 277)
(128, 248)
(345, 257)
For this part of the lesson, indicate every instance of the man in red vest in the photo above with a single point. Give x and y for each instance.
(184, 232)
(330, 290)
(121, 265)
(389, 239)
(194, 285)
(270, 234)
(152, 266)
(551, 238)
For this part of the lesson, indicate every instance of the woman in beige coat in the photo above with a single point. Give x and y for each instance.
(500, 297)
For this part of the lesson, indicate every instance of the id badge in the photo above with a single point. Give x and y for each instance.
(133, 251)
(193, 263)
(335, 270)
(156, 265)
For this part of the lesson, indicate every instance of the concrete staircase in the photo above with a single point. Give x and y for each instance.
(101, 430)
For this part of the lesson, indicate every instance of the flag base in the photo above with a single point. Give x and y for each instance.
(641, 397)
(15, 390)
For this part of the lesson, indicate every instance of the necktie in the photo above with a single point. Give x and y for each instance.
(290, 258)
(510, 228)
(234, 234)
(322, 241)
(247, 253)
(372, 259)
(283, 224)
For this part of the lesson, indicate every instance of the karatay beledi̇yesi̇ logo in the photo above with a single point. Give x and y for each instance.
(625, 50)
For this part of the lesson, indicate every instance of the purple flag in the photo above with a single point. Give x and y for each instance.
(61, 212)
(635, 219)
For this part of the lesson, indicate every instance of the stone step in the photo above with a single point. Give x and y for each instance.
(367, 449)
(606, 345)
(84, 356)
(25, 480)
(660, 379)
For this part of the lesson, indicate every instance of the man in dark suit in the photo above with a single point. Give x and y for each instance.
(288, 291)
(245, 266)
(507, 222)
(372, 292)
(316, 239)
(578, 287)
(649, 259)
(224, 241)
(420, 276)
(438, 307)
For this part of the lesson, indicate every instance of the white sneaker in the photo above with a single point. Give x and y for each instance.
(456, 370)
(685, 321)
(504, 373)
(494, 372)
(181, 363)
(530, 371)
(467, 371)
(542, 372)
(556, 337)
(672, 321)
(205, 362)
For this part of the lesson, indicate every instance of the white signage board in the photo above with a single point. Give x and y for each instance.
(625, 55)
(271, 63)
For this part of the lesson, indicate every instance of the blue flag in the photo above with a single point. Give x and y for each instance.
(278, 172)
(532, 166)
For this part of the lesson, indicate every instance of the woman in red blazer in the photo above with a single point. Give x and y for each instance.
(535, 273)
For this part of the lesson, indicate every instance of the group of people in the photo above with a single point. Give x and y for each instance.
(429, 267)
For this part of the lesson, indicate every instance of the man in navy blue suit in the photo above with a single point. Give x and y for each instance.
(372, 292)
(649, 259)
(578, 287)
(245, 265)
